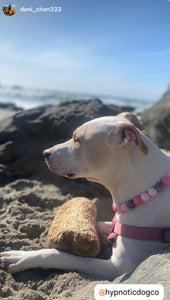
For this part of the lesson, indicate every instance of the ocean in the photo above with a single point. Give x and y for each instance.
(30, 97)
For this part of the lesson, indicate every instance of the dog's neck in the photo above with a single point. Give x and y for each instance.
(133, 172)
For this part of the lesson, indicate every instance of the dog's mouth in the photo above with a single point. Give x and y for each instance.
(53, 170)
(69, 175)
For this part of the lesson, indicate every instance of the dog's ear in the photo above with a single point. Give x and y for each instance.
(126, 134)
(134, 120)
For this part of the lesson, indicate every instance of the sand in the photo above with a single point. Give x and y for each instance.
(26, 214)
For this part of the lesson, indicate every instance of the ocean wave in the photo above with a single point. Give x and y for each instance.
(27, 98)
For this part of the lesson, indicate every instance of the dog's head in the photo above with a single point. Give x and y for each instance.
(97, 146)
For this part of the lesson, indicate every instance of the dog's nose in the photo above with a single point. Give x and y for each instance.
(46, 154)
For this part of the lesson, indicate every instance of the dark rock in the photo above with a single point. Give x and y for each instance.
(10, 106)
(157, 121)
(26, 134)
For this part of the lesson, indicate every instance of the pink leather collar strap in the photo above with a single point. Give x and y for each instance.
(138, 233)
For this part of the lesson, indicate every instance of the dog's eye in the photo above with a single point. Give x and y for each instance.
(76, 139)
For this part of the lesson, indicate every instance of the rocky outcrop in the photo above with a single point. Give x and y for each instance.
(10, 106)
(25, 135)
(8, 110)
(156, 120)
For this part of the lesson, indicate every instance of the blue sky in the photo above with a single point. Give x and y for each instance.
(111, 47)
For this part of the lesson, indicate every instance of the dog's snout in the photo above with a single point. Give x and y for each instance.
(46, 154)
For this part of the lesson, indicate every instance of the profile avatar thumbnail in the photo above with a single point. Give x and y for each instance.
(9, 9)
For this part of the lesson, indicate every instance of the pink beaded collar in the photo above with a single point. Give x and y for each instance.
(143, 197)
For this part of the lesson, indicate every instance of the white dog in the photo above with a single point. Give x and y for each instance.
(114, 152)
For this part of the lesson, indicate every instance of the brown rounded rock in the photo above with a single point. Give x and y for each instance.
(74, 228)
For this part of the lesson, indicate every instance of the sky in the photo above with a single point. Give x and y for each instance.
(111, 47)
